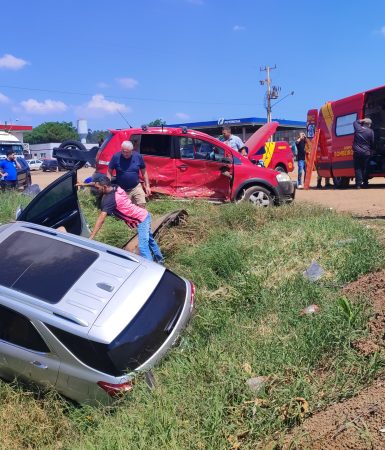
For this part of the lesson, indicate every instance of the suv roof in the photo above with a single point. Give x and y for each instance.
(110, 287)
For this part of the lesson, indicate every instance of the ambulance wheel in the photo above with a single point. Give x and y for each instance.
(280, 168)
(68, 164)
(258, 196)
(341, 182)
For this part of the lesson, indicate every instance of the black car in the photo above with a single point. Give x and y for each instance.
(24, 179)
(50, 165)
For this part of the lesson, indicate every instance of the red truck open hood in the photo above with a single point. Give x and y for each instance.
(259, 138)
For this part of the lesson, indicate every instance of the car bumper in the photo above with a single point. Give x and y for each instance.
(285, 192)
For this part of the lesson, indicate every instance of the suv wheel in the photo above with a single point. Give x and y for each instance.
(68, 164)
(258, 196)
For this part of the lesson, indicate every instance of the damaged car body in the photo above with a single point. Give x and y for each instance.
(189, 164)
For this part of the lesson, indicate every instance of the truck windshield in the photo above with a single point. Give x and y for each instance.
(17, 148)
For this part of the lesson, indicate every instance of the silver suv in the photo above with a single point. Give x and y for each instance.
(76, 314)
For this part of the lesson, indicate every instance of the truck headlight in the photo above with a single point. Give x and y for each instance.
(282, 177)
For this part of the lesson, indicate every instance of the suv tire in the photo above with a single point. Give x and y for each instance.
(258, 196)
(67, 164)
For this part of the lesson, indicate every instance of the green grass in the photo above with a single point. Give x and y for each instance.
(247, 265)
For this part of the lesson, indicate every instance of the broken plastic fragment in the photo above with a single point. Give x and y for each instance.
(314, 272)
(255, 384)
(311, 309)
(345, 241)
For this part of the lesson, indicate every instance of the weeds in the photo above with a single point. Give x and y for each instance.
(247, 265)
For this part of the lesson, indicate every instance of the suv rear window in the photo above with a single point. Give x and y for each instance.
(141, 338)
(41, 266)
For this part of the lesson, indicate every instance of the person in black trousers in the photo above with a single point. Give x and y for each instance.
(362, 149)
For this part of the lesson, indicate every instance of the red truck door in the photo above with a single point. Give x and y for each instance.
(200, 167)
(158, 156)
(345, 112)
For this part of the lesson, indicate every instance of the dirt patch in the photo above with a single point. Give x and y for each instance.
(43, 179)
(371, 286)
(357, 423)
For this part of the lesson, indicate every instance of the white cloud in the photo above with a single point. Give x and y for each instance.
(102, 85)
(4, 98)
(12, 63)
(239, 28)
(128, 83)
(48, 106)
(99, 106)
(181, 115)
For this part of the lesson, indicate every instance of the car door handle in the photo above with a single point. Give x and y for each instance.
(182, 167)
(38, 364)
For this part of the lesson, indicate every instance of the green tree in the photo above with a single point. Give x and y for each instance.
(96, 136)
(157, 123)
(51, 132)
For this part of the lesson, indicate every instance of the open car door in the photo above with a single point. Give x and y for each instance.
(57, 206)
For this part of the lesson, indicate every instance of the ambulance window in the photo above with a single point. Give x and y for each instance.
(344, 124)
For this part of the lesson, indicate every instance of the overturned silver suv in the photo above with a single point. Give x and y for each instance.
(76, 314)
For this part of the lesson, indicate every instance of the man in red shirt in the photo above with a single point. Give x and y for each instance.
(115, 202)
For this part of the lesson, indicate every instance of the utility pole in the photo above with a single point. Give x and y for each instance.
(272, 92)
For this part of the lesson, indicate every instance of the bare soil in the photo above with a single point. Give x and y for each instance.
(357, 423)
(364, 203)
(43, 179)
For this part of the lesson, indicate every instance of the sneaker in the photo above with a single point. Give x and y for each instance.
(300, 186)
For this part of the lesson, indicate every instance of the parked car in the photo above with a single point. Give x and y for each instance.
(34, 164)
(190, 164)
(76, 314)
(24, 179)
(50, 165)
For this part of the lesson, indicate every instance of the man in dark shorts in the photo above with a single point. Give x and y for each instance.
(127, 165)
(8, 170)
(115, 202)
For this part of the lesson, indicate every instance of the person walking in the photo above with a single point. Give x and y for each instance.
(301, 158)
(363, 143)
(115, 202)
(8, 170)
(127, 165)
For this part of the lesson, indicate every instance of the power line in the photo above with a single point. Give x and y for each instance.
(144, 99)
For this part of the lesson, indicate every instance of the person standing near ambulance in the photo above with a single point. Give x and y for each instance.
(301, 158)
(362, 149)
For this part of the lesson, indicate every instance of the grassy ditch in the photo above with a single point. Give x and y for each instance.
(247, 265)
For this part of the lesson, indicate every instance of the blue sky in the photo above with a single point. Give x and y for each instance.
(182, 60)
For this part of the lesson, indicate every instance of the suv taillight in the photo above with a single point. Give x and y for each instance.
(115, 390)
